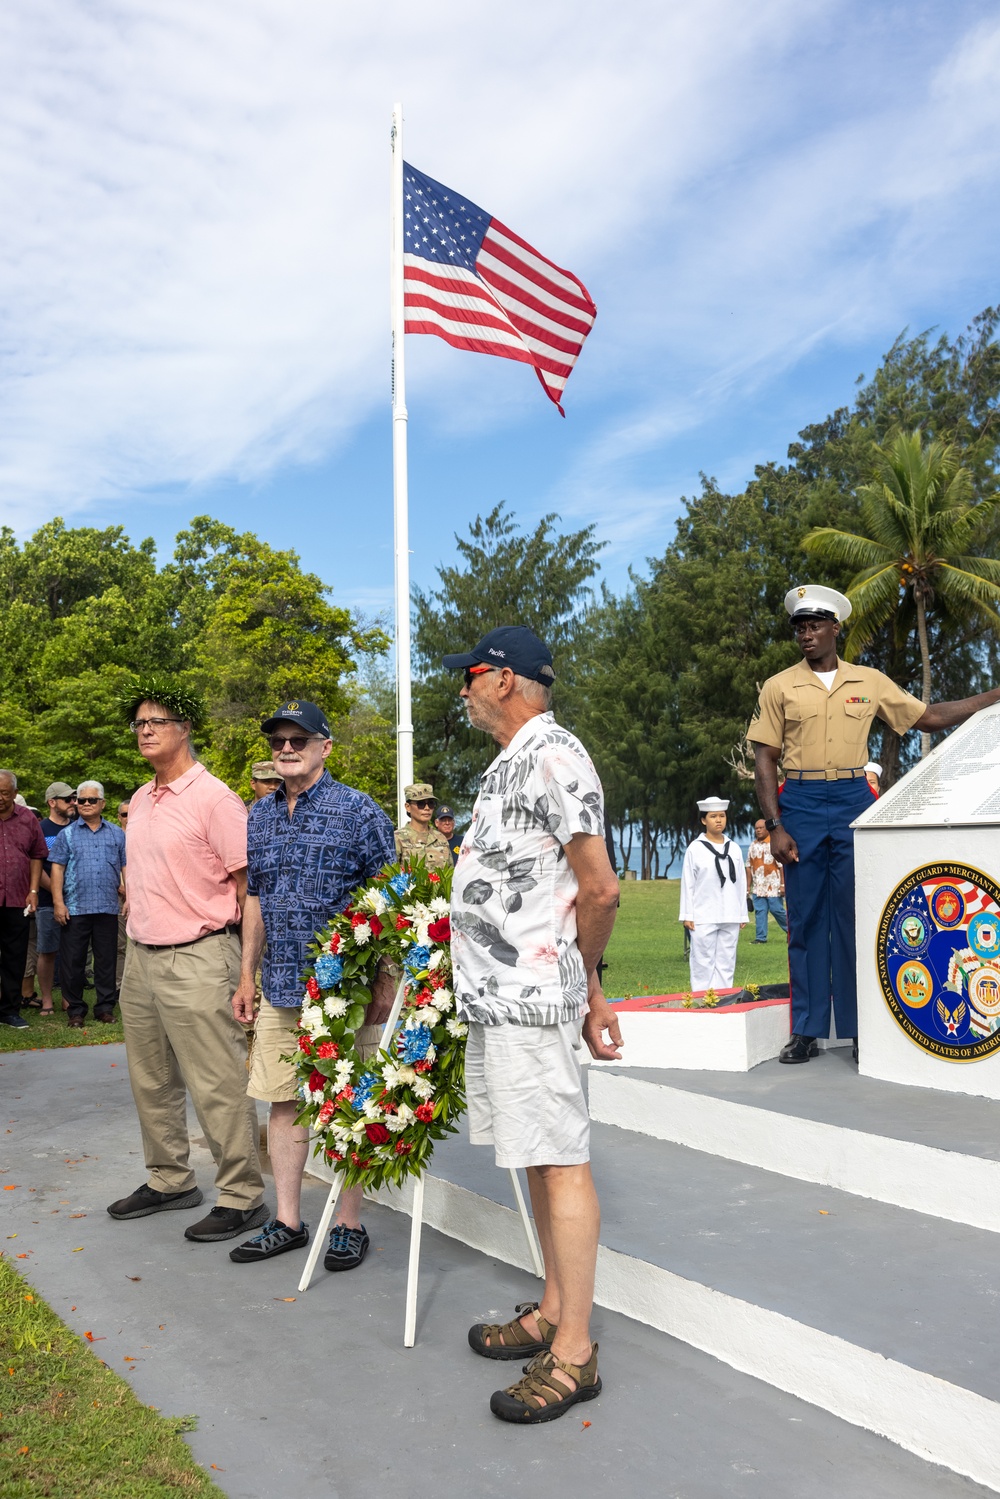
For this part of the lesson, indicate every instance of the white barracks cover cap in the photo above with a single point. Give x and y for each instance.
(811, 599)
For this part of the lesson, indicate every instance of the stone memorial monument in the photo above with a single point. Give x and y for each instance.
(928, 919)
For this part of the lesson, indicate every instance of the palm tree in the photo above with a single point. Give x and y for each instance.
(920, 520)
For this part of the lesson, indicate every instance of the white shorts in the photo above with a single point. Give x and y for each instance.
(525, 1093)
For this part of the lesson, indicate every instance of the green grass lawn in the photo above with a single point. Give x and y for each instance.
(69, 1427)
(646, 951)
(53, 1030)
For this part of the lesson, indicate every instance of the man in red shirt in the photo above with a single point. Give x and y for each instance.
(22, 849)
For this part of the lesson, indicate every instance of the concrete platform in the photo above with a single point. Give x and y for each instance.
(918, 1148)
(317, 1397)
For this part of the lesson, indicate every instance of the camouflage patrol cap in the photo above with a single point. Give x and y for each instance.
(419, 792)
(263, 770)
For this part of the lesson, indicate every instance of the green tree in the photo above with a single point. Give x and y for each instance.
(916, 553)
(505, 576)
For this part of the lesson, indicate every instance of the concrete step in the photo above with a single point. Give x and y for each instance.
(882, 1316)
(936, 1153)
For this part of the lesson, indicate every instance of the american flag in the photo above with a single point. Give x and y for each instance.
(479, 286)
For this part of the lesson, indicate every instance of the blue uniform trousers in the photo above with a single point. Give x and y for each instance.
(819, 895)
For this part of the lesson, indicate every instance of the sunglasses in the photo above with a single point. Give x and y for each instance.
(65, 798)
(87, 801)
(424, 804)
(478, 671)
(296, 742)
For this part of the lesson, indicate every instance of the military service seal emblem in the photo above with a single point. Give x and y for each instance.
(937, 951)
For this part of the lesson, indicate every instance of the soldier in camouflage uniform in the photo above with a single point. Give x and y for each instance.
(418, 840)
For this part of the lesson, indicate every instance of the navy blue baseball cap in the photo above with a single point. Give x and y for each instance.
(310, 719)
(510, 645)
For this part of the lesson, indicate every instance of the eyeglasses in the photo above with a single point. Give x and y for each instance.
(151, 723)
(88, 801)
(424, 804)
(122, 815)
(71, 798)
(296, 742)
(478, 671)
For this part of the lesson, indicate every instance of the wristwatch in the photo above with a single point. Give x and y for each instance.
(771, 823)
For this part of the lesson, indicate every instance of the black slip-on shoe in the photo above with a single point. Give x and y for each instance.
(798, 1049)
(145, 1200)
(226, 1223)
(14, 1021)
(274, 1238)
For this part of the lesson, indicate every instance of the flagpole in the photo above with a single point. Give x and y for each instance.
(400, 495)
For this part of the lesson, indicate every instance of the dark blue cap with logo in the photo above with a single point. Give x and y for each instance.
(307, 716)
(510, 645)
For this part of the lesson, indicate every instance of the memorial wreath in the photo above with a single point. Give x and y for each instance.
(376, 1121)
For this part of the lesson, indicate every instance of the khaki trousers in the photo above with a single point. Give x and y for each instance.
(180, 1032)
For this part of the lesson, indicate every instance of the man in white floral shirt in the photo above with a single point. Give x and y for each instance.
(533, 904)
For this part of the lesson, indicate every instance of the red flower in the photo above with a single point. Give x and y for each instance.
(317, 1081)
(312, 988)
(377, 1134)
(403, 1147)
(334, 1155)
(376, 926)
(423, 998)
(424, 1112)
(346, 1095)
(436, 979)
(306, 1046)
(358, 1161)
(386, 1103)
(328, 1049)
(402, 924)
(335, 942)
(359, 918)
(327, 1112)
(424, 1066)
(435, 879)
(440, 931)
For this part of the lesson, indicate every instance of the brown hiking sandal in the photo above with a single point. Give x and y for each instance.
(538, 1397)
(511, 1339)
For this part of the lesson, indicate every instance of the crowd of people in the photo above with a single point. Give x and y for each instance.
(222, 900)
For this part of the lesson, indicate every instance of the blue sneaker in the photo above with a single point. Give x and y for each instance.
(348, 1247)
(274, 1238)
(15, 1022)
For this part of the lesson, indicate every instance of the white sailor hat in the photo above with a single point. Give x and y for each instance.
(809, 599)
(713, 804)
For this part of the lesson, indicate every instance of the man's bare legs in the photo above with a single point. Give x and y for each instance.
(45, 967)
(288, 1148)
(568, 1219)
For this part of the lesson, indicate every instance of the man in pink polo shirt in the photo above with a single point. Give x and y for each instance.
(186, 883)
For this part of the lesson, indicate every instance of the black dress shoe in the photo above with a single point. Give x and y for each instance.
(798, 1049)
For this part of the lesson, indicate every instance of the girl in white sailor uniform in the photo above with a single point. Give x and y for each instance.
(713, 899)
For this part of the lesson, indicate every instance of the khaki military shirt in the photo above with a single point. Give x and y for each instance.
(431, 846)
(828, 731)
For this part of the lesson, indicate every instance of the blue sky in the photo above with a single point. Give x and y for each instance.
(194, 268)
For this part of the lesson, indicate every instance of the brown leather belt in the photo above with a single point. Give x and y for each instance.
(825, 775)
(162, 946)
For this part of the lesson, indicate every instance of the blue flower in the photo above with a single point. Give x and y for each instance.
(329, 970)
(418, 957)
(401, 883)
(365, 1087)
(413, 1043)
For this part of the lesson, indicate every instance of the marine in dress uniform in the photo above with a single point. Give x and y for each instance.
(417, 839)
(713, 900)
(815, 718)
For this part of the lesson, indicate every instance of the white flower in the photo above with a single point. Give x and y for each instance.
(443, 1000)
(373, 900)
(358, 1129)
(457, 1028)
(340, 1133)
(334, 1008)
(423, 1088)
(372, 1110)
(436, 957)
(406, 1074)
(391, 1075)
(312, 1019)
(440, 906)
(394, 1124)
(342, 1074)
(430, 1018)
(362, 933)
(406, 1115)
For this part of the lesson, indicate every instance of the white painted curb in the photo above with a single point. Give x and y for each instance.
(725, 1040)
(942, 1183)
(938, 1421)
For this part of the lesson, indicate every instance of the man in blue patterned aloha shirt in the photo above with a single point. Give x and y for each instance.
(309, 846)
(533, 904)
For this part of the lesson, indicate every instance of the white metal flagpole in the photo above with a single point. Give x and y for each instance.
(400, 495)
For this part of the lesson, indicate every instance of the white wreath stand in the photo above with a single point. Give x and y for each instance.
(417, 1220)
